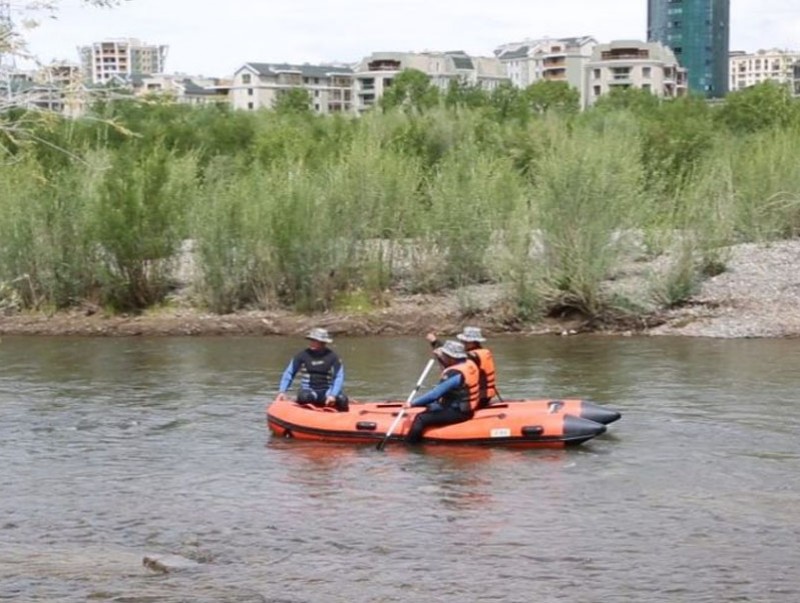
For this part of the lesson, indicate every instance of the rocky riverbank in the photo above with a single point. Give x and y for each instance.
(756, 296)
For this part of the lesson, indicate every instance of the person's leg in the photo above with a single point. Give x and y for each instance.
(434, 418)
(342, 403)
(308, 396)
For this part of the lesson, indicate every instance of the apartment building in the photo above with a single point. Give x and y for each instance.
(552, 59)
(102, 61)
(375, 73)
(183, 88)
(780, 66)
(258, 85)
(648, 66)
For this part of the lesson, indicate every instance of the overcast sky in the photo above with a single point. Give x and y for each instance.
(216, 38)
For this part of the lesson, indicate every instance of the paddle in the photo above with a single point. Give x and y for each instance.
(424, 374)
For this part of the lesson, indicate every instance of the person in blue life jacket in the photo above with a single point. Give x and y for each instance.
(321, 374)
(455, 397)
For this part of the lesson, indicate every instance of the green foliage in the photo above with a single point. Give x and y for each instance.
(588, 193)
(411, 90)
(508, 103)
(138, 204)
(544, 96)
(676, 137)
(294, 101)
(287, 209)
(461, 94)
(636, 100)
(765, 105)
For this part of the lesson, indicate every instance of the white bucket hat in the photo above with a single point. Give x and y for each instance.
(317, 334)
(454, 349)
(471, 334)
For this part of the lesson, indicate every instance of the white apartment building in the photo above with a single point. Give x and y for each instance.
(375, 73)
(552, 59)
(765, 65)
(258, 85)
(102, 61)
(648, 66)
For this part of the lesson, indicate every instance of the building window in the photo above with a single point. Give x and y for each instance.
(596, 73)
(246, 78)
(646, 87)
(250, 106)
(646, 72)
(596, 90)
(249, 92)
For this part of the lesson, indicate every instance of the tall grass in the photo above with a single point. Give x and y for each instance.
(306, 212)
(587, 194)
(766, 180)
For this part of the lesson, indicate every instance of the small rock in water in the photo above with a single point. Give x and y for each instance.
(163, 564)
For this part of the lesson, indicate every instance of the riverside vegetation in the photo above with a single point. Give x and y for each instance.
(143, 205)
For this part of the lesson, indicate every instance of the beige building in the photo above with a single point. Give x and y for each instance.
(550, 59)
(102, 61)
(183, 88)
(375, 73)
(258, 85)
(649, 66)
(765, 65)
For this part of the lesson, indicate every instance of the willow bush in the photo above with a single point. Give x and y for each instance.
(587, 195)
(138, 203)
(471, 195)
(305, 211)
(228, 226)
(374, 206)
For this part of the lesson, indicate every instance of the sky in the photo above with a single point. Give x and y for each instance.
(216, 38)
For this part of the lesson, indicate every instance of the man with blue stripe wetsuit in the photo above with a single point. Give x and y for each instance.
(321, 373)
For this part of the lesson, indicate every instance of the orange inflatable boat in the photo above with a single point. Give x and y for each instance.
(517, 423)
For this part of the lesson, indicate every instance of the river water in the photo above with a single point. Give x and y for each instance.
(116, 449)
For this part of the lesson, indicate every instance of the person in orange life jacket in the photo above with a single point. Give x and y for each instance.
(322, 373)
(455, 397)
(472, 338)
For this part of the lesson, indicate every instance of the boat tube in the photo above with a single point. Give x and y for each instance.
(517, 423)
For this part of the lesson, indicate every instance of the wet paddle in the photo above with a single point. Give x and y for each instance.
(424, 374)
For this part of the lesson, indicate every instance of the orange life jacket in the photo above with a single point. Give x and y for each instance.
(485, 361)
(467, 395)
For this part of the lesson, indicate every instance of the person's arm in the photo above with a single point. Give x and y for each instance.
(436, 343)
(433, 340)
(288, 376)
(338, 379)
(437, 392)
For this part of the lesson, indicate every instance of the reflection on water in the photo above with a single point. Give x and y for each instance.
(116, 449)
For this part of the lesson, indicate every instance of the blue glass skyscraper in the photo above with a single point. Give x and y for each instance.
(698, 32)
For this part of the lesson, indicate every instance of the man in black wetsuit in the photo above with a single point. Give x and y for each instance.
(321, 373)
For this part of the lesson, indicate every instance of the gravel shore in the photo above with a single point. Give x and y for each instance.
(756, 296)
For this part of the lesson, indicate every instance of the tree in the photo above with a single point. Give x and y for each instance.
(462, 94)
(544, 96)
(508, 102)
(765, 105)
(295, 101)
(411, 90)
(634, 99)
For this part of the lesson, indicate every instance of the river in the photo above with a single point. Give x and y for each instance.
(113, 449)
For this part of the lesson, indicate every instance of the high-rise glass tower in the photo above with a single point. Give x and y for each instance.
(698, 32)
